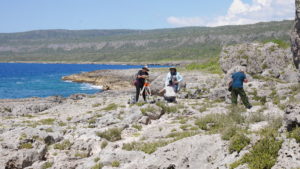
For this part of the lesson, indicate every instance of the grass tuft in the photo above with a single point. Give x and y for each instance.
(238, 142)
(65, 145)
(113, 134)
(110, 107)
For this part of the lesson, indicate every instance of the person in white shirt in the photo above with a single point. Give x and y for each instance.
(173, 78)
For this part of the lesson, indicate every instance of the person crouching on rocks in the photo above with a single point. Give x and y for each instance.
(142, 75)
(174, 78)
(238, 78)
(169, 93)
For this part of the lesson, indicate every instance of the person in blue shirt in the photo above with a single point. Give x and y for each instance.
(174, 78)
(238, 80)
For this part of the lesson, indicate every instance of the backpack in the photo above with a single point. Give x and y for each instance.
(134, 80)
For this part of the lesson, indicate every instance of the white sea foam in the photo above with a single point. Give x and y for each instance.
(19, 83)
(86, 86)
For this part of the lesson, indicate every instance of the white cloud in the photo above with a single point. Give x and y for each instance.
(240, 13)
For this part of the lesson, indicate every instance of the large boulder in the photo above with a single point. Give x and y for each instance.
(268, 59)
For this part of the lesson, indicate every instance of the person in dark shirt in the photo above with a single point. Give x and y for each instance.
(141, 76)
(238, 80)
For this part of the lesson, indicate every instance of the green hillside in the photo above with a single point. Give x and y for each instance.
(189, 43)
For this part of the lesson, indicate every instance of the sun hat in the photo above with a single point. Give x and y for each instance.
(146, 68)
(172, 68)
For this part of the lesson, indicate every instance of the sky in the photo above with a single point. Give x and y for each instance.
(26, 15)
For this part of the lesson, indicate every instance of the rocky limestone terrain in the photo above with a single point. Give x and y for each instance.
(202, 130)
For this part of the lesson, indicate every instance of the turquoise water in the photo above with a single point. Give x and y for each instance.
(21, 80)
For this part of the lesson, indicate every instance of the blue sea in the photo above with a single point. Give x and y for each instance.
(22, 80)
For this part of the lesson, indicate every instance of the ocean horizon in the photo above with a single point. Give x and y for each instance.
(24, 80)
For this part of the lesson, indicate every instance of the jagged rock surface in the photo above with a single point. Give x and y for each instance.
(262, 59)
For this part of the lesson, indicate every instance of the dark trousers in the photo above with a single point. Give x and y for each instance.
(139, 87)
(239, 92)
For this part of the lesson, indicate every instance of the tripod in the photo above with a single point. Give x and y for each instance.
(146, 88)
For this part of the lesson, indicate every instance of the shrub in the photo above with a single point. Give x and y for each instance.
(48, 121)
(98, 166)
(169, 109)
(26, 146)
(62, 124)
(211, 122)
(238, 142)
(263, 155)
(65, 145)
(211, 66)
(96, 159)
(110, 107)
(115, 164)
(229, 132)
(257, 117)
(113, 134)
(47, 165)
(96, 105)
(104, 144)
(49, 130)
(280, 43)
(149, 108)
(81, 155)
(295, 134)
(137, 126)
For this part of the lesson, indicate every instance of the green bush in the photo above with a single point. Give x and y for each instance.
(47, 165)
(65, 145)
(110, 107)
(257, 117)
(295, 134)
(81, 155)
(149, 108)
(211, 66)
(113, 134)
(212, 122)
(238, 142)
(280, 43)
(229, 132)
(137, 126)
(264, 153)
(104, 144)
(48, 121)
(115, 164)
(26, 146)
(96, 159)
(169, 109)
(98, 166)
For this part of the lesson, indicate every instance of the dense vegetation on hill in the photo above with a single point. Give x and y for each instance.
(190, 43)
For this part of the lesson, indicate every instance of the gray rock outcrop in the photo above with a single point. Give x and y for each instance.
(263, 59)
(295, 36)
(292, 116)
